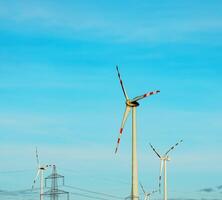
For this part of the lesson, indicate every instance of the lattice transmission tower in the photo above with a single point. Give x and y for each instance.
(54, 193)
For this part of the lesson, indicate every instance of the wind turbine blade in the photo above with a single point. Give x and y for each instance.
(173, 147)
(142, 188)
(127, 110)
(121, 83)
(35, 178)
(160, 177)
(144, 95)
(47, 166)
(37, 156)
(155, 151)
(154, 191)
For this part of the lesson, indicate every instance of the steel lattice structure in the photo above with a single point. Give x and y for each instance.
(54, 191)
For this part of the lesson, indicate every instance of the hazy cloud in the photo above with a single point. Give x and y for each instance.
(183, 199)
(207, 190)
(193, 199)
(209, 199)
(219, 187)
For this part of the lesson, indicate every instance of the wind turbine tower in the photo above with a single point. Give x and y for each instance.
(163, 164)
(132, 104)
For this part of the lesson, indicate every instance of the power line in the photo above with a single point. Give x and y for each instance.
(121, 181)
(88, 196)
(94, 192)
(15, 171)
(17, 192)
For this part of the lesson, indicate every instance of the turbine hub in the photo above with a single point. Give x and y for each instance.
(132, 103)
(167, 158)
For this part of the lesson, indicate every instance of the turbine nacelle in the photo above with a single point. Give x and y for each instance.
(167, 158)
(132, 103)
(44, 167)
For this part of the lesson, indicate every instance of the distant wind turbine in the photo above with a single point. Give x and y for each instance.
(147, 194)
(163, 160)
(132, 104)
(40, 172)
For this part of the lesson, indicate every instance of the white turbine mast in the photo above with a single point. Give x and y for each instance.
(132, 104)
(163, 161)
(147, 194)
(40, 172)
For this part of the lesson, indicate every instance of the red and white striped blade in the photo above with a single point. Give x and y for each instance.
(154, 191)
(46, 166)
(160, 177)
(155, 151)
(121, 83)
(171, 148)
(37, 156)
(144, 95)
(142, 188)
(35, 178)
(126, 113)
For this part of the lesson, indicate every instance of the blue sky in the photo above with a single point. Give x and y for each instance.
(60, 91)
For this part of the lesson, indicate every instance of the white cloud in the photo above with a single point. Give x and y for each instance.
(123, 26)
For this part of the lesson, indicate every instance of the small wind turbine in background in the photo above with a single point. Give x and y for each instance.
(132, 104)
(40, 172)
(163, 160)
(147, 194)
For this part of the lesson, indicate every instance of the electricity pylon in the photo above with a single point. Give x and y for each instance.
(54, 192)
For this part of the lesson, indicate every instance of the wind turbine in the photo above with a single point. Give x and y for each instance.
(40, 172)
(132, 104)
(147, 194)
(163, 160)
